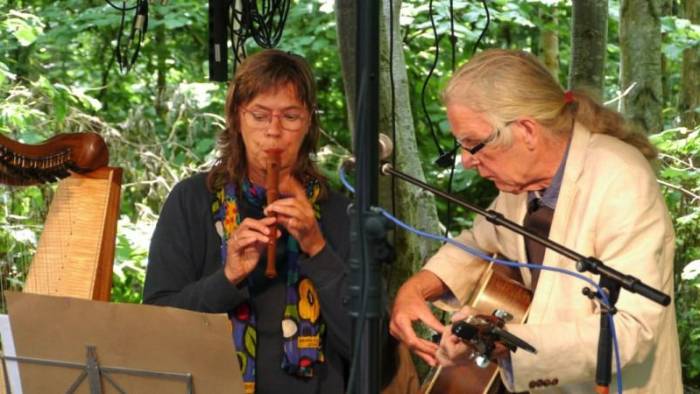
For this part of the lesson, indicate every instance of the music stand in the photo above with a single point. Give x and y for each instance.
(130, 348)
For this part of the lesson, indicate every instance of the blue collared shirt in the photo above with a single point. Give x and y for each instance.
(548, 197)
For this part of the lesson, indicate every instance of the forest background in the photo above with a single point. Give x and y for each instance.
(160, 119)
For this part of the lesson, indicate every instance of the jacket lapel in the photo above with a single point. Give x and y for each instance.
(560, 222)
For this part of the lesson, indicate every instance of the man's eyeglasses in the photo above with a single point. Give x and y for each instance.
(480, 145)
(259, 119)
(447, 158)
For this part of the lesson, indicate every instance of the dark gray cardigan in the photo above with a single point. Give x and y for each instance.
(185, 271)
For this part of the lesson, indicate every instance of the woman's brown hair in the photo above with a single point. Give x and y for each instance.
(263, 72)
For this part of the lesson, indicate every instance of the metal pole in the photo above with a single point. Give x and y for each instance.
(365, 280)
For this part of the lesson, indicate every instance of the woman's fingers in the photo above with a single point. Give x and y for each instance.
(248, 239)
(258, 225)
(290, 208)
(290, 186)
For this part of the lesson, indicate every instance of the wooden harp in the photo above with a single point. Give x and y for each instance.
(75, 253)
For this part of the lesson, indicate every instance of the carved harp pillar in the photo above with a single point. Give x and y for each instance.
(75, 253)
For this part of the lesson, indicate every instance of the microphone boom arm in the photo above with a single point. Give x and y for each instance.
(583, 263)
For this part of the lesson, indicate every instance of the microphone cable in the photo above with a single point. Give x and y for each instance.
(139, 26)
(447, 159)
(393, 125)
(238, 33)
(265, 20)
(477, 253)
(427, 79)
(262, 20)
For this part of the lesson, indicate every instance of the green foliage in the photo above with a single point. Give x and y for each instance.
(680, 151)
(131, 258)
(161, 120)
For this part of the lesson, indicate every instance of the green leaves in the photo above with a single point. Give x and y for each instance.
(24, 27)
(680, 179)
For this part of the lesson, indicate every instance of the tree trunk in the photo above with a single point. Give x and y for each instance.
(666, 10)
(690, 73)
(549, 41)
(640, 62)
(346, 22)
(589, 40)
(161, 67)
(412, 206)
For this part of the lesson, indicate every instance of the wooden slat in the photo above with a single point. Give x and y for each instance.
(76, 250)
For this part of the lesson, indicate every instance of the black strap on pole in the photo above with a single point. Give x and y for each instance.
(218, 36)
(365, 290)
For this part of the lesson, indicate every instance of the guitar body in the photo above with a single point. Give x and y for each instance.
(496, 290)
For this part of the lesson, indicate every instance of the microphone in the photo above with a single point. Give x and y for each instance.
(385, 149)
(482, 333)
(446, 159)
(386, 146)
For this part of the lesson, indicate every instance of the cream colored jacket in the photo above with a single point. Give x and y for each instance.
(609, 207)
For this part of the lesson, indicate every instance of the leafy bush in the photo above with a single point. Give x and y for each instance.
(679, 152)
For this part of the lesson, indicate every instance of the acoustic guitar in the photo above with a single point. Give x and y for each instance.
(497, 289)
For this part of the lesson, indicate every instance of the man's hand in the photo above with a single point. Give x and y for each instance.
(455, 351)
(410, 306)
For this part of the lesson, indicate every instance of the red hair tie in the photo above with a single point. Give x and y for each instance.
(568, 97)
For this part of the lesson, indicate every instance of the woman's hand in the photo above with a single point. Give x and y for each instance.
(245, 246)
(297, 215)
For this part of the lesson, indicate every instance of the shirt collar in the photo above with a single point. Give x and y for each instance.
(548, 197)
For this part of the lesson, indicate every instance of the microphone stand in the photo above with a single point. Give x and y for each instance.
(611, 280)
(367, 227)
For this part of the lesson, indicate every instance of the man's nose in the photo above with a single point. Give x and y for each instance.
(468, 160)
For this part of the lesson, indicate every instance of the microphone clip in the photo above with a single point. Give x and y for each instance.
(482, 332)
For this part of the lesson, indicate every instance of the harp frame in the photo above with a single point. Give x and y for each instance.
(87, 272)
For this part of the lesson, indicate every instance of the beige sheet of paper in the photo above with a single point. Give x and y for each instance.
(9, 371)
(126, 335)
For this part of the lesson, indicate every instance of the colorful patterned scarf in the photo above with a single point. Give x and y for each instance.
(302, 326)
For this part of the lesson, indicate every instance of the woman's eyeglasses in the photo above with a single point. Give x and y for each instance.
(259, 119)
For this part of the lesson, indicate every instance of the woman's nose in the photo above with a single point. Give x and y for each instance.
(275, 127)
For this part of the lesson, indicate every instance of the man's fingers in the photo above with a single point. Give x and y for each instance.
(401, 327)
(431, 321)
(429, 358)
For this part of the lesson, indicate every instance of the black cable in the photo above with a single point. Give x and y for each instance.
(124, 8)
(265, 24)
(393, 122)
(486, 27)
(453, 45)
(453, 38)
(238, 35)
(430, 74)
(139, 26)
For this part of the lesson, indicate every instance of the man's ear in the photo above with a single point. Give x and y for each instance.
(531, 132)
